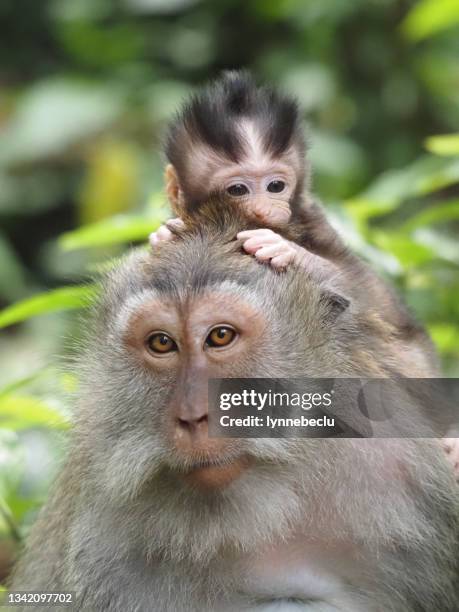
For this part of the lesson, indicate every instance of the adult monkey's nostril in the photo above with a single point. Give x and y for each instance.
(191, 422)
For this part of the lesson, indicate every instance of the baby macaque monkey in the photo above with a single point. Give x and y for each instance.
(247, 142)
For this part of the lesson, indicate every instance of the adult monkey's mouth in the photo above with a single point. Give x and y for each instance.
(217, 474)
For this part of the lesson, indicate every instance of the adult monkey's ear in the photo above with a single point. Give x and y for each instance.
(173, 190)
(334, 304)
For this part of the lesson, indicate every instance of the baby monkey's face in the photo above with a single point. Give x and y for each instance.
(263, 184)
(264, 188)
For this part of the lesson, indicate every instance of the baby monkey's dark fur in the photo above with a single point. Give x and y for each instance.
(213, 115)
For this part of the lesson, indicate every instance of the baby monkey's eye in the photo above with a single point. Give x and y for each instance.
(276, 186)
(161, 343)
(220, 336)
(238, 189)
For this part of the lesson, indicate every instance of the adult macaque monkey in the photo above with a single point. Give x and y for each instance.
(247, 142)
(151, 514)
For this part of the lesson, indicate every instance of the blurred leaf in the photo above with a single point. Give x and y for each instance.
(191, 46)
(439, 213)
(445, 337)
(24, 412)
(423, 176)
(69, 382)
(21, 506)
(31, 192)
(22, 382)
(65, 298)
(12, 273)
(437, 68)
(362, 209)
(443, 177)
(104, 45)
(443, 145)
(304, 13)
(445, 247)
(158, 6)
(55, 114)
(69, 10)
(11, 462)
(428, 17)
(111, 182)
(337, 162)
(405, 249)
(115, 230)
(356, 236)
(313, 84)
(164, 97)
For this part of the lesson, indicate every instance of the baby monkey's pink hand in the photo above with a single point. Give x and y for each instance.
(163, 233)
(266, 245)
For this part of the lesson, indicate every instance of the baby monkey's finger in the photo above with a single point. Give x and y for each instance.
(281, 262)
(268, 251)
(253, 243)
(262, 233)
(162, 234)
(175, 223)
(284, 257)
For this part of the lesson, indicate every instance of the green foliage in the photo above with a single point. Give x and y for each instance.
(23, 412)
(429, 17)
(443, 145)
(65, 298)
(54, 115)
(115, 230)
(437, 213)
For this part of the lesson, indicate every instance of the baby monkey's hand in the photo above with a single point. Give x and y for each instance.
(268, 246)
(163, 233)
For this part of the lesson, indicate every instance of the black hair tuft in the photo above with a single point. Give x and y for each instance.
(213, 115)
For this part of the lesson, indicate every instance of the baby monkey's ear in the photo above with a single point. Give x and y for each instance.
(173, 191)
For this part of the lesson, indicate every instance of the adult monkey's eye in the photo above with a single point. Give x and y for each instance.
(161, 343)
(220, 336)
(276, 186)
(238, 189)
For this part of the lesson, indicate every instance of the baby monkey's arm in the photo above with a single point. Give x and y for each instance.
(264, 244)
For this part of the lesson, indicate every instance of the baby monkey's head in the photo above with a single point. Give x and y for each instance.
(241, 139)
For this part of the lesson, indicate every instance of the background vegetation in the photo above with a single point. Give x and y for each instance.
(85, 89)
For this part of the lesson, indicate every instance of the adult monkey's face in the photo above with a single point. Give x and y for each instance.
(184, 342)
